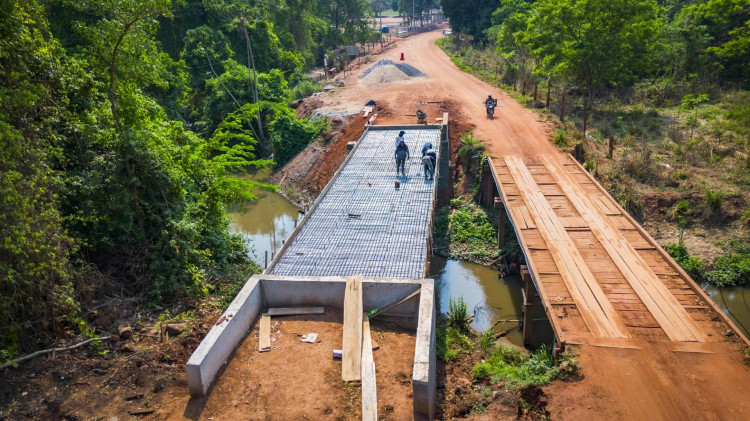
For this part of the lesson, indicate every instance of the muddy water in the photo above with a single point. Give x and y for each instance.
(495, 302)
(266, 222)
(734, 301)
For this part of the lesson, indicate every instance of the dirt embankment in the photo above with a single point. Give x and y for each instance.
(302, 178)
(134, 374)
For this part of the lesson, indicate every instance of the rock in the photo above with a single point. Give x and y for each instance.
(328, 88)
(459, 390)
(342, 84)
(174, 329)
(128, 348)
(729, 333)
(125, 331)
(159, 385)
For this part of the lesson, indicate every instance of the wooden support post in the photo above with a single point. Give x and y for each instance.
(562, 106)
(611, 147)
(488, 185)
(535, 87)
(500, 222)
(585, 118)
(548, 89)
(528, 304)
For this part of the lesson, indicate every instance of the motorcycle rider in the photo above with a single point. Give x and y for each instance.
(490, 103)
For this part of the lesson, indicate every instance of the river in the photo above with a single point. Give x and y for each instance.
(494, 301)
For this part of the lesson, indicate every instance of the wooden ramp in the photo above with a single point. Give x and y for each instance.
(598, 273)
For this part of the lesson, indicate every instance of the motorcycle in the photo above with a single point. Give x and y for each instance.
(490, 106)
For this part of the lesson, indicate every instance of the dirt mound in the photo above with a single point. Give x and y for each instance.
(385, 74)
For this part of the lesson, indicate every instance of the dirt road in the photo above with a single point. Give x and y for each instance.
(650, 381)
(515, 129)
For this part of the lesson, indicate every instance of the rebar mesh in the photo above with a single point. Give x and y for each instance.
(364, 225)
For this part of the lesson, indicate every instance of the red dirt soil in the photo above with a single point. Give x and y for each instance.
(648, 383)
(301, 381)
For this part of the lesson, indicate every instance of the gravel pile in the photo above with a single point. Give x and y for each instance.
(410, 70)
(379, 63)
(385, 74)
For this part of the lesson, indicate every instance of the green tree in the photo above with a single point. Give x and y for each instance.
(36, 279)
(471, 17)
(594, 43)
(122, 41)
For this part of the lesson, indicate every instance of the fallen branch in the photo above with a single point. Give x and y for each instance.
(51, 350)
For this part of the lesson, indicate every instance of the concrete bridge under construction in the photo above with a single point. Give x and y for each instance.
(603, 281)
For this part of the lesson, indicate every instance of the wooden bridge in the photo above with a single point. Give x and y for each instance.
(600, 277)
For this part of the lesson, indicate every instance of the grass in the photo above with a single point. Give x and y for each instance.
(465, 230)
(517, 370)
(452, 343)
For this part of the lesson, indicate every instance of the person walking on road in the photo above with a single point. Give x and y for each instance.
(401, 155)
(429, 158)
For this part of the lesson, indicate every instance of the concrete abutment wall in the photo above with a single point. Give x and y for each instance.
(265, 291)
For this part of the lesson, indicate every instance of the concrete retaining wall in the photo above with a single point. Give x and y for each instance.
(264, 291)
(424, 375)
(221, 340)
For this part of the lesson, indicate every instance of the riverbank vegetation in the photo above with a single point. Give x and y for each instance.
(663, 82)
(122, 127)
(480, 369)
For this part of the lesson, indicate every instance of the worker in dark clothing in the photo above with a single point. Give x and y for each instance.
(429, 158)
(401, 155)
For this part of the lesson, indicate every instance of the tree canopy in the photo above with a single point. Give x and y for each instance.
(123, 128)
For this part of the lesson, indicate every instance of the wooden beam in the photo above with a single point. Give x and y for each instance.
(264, 338)
(369, 384)
(397, 303)
(295, 311)
(351, 360)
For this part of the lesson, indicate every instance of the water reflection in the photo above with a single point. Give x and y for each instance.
(495, 302)
(734, 302)
(266, 222)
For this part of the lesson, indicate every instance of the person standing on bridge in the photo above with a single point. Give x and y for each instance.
(401, 155)
(429, 156)
(399, 138)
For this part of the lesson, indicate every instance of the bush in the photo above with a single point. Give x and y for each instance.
(471, 149)
(290, 135)
(732, 269)
(305, 88)
(517, 370)
(457, 314)
(712, 202)
(560, 138)
(692, 265)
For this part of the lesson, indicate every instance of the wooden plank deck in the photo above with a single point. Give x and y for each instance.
(599, 275)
